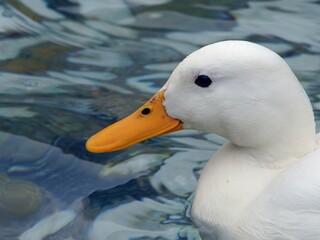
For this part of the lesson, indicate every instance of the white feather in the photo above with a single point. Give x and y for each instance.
(265, 183)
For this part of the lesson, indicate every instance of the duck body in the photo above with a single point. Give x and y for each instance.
(265, 182)
(256, 202)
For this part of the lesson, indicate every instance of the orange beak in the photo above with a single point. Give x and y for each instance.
(148, 121)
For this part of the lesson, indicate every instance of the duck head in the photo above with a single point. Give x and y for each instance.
(236, 89)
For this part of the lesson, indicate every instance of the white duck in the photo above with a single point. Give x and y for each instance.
(265, 182)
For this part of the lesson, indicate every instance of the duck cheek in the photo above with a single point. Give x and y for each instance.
(176, 104)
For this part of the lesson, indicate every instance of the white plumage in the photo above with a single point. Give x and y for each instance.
(265, 182)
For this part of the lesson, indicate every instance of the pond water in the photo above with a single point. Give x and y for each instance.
(70, 67)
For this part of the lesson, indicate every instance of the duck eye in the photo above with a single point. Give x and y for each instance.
(203, 81)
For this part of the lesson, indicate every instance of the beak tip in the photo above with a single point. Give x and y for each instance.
(96, 145)
(93, 147)
(90, 146)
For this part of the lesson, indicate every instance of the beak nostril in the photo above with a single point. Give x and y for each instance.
(146, 111)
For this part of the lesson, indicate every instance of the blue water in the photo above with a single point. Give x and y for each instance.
(70, 68)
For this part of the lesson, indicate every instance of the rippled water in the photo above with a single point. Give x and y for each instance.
(69, 68)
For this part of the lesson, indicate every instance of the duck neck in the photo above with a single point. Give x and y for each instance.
(280, 146)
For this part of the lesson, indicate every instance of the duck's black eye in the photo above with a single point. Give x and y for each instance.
(203, 81)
